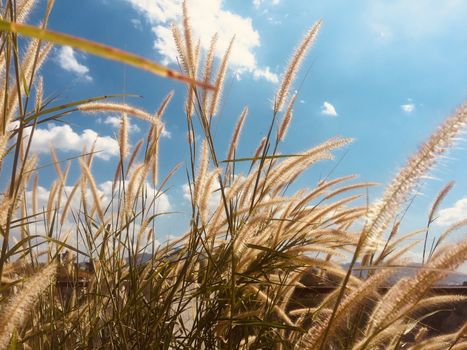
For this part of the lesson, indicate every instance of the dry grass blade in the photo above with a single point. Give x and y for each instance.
(100, 107)
(315, 335)
(417, 166)
(442, 194)
(294, 66)
(219, 84)
(434, 209)
(95, 192)
(236, 134)
(100, 50)
(123, 136)
(284, 125)
(454, 227)
(188, 41)
(405, 294)
(17, 309)
(163, 106)
(207, 74)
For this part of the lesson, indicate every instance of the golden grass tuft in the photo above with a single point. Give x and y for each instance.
(294, 65)
(407, 179)
(16, 311)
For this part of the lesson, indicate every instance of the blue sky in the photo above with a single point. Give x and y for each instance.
(383, 72)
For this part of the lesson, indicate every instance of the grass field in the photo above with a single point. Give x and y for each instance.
(73, 274)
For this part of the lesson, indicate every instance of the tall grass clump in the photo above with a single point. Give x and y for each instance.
(230, 280)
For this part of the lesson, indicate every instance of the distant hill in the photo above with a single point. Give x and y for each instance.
(453, 279)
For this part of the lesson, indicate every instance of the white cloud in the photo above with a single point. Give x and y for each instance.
(186, 192)
(388, 19)
(457, 212)
(215, 199)
(408, 107)
(273, 20)
(137, 24)
(104, 189)
(258, 3)
(328, 109)
(165, 133)
(64, 138)
(383, 33)
(67, 60)
(266, 74)
(158, 10)
(115, 123)
(161, 200)
(213, 202)
(207, 17)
